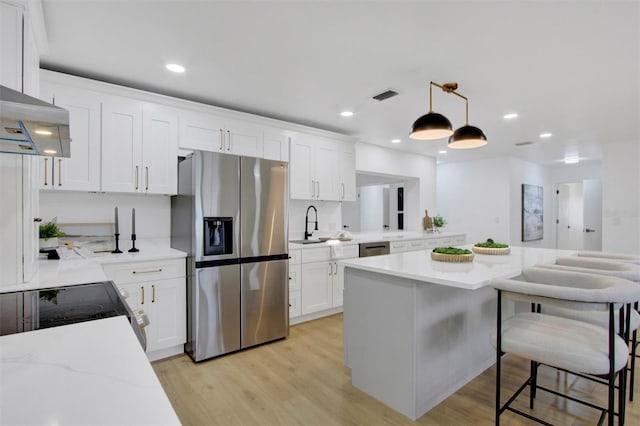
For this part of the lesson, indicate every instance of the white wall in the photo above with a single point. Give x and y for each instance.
(153, 212)
(473, 197)
(621, 197)
(420, 192)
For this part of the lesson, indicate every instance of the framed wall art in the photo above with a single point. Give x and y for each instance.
(532, 212)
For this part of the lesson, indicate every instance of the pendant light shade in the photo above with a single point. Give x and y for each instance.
(467, 137)
(431, 126)
(436, 126)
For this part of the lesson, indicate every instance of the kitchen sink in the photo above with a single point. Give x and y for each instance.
(305, 241)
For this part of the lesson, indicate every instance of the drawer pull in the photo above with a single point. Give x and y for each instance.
(153, 294)
(147, 272)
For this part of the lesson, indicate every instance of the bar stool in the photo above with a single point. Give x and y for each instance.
(616, 257)
(605, 266)
(560, 342)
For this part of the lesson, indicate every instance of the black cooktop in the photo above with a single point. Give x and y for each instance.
(43, 308)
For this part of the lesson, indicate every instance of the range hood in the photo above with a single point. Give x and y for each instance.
(31, 126)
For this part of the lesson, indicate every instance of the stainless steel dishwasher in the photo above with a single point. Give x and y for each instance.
(374, 248)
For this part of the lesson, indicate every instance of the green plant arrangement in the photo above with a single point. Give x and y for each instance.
(438, 221)
(50, 230)
(451, 250)
(491, 244)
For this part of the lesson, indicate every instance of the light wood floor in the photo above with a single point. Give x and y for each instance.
(301, 381)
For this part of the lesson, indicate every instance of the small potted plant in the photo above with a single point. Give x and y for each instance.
(49, 233)
(438, 222)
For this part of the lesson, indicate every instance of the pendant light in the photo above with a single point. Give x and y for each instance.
(431, 126)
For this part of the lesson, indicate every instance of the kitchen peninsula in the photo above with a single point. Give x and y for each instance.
(417, 330)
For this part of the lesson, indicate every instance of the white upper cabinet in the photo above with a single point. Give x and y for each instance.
(208, 132)
(199, 131)
(302, 172)
(314, 168)
(80, 172)
(159, 150)
(139, 147)
(327, 179)
(11, 46)
(276, 144)
(121, 145)
(347, 163)
(244, 138)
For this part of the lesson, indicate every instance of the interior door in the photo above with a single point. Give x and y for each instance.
(265, 305)
(592, 199)
(570, 216)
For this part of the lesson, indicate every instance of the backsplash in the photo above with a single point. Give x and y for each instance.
(329, 217)
(153, 213)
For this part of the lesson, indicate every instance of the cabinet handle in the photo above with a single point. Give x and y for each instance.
(146, 172)
(313, 189)
(228, 140)
(336, 265)
(330, 268)
(136, 178)
(221, 140)
(318, 191)
(142, 301)
(37, 219)
(153, 294)
(147, 271)
(59, 171)
(46, 160)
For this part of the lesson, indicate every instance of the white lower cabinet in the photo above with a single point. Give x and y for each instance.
(316, 286)
(159, 289)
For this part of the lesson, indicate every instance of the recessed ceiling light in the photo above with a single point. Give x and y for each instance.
(175, 68)
(545, 135)
(44, 132)
(347, 113)
(571, 160)
(442, 152)
(395, 141)
(50, 151)
(510, 116)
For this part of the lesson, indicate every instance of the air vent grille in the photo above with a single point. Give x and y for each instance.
(523, 143)
(385, 95)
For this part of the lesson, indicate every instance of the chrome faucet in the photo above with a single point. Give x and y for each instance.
(307, 234)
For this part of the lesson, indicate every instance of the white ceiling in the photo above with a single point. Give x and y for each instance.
(571, 68)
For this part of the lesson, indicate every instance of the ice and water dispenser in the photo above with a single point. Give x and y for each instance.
(218, 235)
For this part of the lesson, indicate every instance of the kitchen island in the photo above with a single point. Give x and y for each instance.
(417, 330)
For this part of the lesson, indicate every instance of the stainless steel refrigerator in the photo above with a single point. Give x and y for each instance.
(231, 217)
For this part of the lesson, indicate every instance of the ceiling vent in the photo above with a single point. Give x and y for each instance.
(385, 95)
(523, 143)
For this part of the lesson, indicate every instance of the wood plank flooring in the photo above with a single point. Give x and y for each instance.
(301, 381)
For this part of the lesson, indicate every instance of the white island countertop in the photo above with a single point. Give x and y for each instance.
(90, 373)
(418, 265)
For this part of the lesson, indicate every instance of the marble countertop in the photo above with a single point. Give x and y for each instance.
(77, 270)
(367, 237)
(417, 265)
(90, 373)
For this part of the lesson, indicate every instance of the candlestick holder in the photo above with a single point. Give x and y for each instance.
(133, 241)
(117, 250)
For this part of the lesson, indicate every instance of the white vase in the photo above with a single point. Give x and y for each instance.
(48, 243)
